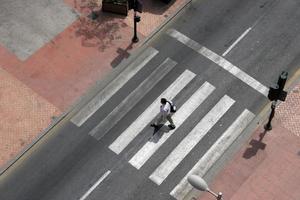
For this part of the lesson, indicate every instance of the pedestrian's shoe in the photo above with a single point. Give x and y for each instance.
(171, 126)
(153, 125)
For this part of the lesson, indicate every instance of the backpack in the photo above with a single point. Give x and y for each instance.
(173, 107)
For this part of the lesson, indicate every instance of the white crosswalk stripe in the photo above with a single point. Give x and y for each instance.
(101, 98)
(214, 153)
(179, 117)
(191, 140)
(139, 124)
(132, 99)
(219, 60)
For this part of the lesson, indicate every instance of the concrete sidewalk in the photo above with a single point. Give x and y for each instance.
(44, 73)
(268, 166)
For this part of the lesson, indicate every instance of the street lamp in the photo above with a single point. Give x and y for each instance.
(200, 184)
(137, 7)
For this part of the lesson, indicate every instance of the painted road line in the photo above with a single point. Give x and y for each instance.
(139, 159)
(132, 99)
(237, 41)
(95, 185)
(87, 111)
(214, 153)
(145, 118)
(219, 60)
(191, 140)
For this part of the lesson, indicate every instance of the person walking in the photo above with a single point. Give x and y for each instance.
(167, 109)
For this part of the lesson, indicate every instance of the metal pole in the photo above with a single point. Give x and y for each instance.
(135, 39)
(218, 196)
(268, 126)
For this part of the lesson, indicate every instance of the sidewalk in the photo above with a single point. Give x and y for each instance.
(268, 167)
(38, 84)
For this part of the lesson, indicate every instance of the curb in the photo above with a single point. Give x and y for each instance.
(93, 90)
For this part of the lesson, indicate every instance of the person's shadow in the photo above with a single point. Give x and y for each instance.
(255, 146)
(158, 132)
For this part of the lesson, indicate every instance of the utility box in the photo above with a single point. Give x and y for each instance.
(115, 6)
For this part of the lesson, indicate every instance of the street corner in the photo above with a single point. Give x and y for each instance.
(278, 172)
(80, 48)
(242, 166)
(24, 115)
(260, 166)
(86, 50)
(78, 57)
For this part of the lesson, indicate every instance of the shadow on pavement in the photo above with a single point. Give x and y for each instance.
(122, 53)
(101, 31)
(96, 28)
(255, 146)
(158, 133)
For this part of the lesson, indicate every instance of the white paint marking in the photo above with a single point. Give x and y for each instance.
(95, 185)
(87, 111)
(139, 159)
(214, 153)
(220, 61)
(132, 99)
(237, 41)
(191, 140)
(139, 124)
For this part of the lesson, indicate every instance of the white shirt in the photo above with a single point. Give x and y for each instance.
(165, 109)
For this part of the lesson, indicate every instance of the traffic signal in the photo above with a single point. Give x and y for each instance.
(282, 95)
(137, 18)
(273, 93)
(277, 92)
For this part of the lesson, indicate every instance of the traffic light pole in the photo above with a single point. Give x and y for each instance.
(135, 39)
(137, 6)
(268, 126)
(276, 93)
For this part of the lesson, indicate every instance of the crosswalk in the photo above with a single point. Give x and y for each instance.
(190, 141)
(147, 116)
(214, 153)
(180, 116)
(193, 102)
(102, 97)
(219, 60)
(132, 99)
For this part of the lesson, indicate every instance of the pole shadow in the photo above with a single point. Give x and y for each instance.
(122, 54)
(255, 146)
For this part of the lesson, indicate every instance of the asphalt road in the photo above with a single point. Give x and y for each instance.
(215, 60)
